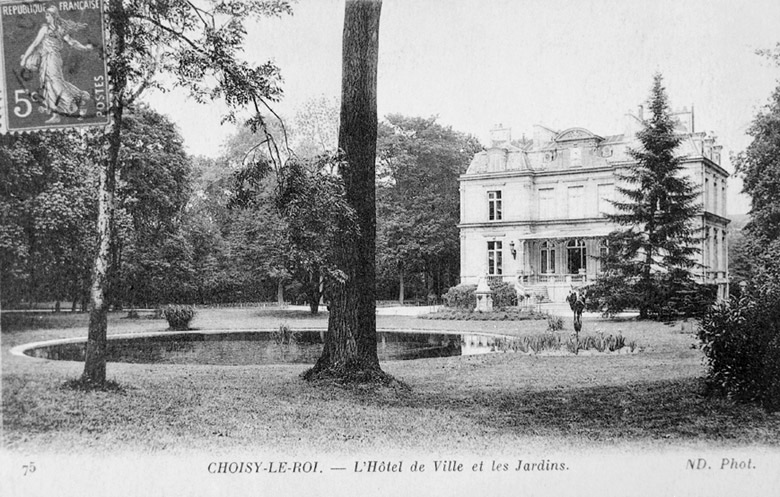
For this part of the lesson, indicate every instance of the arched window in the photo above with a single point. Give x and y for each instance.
(547, 257)
(576, 256)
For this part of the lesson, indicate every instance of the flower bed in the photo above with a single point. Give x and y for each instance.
(560, 344)
(511, 314)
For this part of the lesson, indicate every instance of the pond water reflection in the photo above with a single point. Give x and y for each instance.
(255, 347)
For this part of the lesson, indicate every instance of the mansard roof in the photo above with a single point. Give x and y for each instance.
(551, 150)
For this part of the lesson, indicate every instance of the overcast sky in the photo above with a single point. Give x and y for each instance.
(561, 63)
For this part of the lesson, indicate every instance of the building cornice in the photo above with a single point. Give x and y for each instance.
(542, 222)
(709, 216)
(533, 173)
(581, 170)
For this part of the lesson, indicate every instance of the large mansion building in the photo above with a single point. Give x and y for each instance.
(532, 211)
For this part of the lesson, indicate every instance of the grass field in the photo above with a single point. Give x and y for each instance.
(471, 404)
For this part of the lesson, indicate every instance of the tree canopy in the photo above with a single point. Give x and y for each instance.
(418, 202)
(759, 166)
(198, 45)
(47, 216)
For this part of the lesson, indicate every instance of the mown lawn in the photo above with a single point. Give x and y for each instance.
(473, 404)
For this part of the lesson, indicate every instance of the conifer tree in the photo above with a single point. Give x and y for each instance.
(652, 256)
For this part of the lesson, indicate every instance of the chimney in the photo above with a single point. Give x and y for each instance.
(500, 136)
(640, 112)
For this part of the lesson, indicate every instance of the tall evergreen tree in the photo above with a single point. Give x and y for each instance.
(654, 256)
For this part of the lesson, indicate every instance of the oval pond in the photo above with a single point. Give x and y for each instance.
(261, 347)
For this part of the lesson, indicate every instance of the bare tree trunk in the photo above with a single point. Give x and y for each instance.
(647, 293)
(350, 344)
(280, 293)
(95, 360)
(313, 292)
(401, 285)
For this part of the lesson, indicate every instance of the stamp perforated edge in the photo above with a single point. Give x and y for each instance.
(4, 126)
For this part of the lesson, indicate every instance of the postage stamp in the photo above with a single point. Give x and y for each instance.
(53, 65)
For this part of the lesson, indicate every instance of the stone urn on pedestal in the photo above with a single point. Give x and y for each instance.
(484, 296)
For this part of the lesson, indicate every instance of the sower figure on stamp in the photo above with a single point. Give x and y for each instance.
(60, 97)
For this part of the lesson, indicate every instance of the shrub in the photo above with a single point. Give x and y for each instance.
(741, 340)
(285, 335)
(504, 295)
(461, 297)
(674, 295)
(179, 316)
(468, 315)
(464, 297)
(554, 323)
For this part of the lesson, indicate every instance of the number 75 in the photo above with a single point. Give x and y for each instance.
(29, 468)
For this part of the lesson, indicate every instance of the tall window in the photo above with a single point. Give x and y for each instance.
(715, 196)
(575, 255)
(494, 205)
(547, 257)
(574, 202)
(546, 203)
(575, 155)
(603, 252)
(605, 195)
(495, 258)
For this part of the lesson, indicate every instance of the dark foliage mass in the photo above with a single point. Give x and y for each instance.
(741, 339)
(418, 206)
(47, 217)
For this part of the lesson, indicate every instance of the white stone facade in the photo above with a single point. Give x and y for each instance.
(532, 212)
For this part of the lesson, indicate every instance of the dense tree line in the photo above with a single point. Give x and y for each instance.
(179, 237)
(47, 217)
(418, 206)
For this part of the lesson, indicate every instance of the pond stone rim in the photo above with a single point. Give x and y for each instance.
(20, 350)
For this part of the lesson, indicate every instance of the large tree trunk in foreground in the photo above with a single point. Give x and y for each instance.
(95, 360)
(350, 343)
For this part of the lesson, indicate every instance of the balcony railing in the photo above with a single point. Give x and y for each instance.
(542, 279)
(713, 276)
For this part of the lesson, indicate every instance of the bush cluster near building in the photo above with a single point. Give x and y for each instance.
(741, 339)
(463, 297)
(460, 302)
